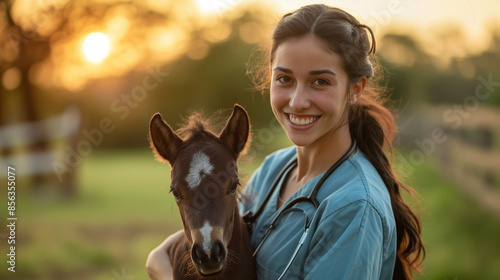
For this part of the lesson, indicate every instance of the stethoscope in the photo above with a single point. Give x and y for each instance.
(311, 198)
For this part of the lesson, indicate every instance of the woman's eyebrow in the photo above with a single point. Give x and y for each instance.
(312, 72)
(324, 71)
(283, 69)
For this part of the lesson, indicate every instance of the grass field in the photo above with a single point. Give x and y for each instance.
(123, 210)
(462, 241)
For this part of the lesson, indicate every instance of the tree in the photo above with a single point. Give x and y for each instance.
(34, 35)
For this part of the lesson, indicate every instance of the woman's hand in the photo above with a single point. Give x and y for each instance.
(158, 264)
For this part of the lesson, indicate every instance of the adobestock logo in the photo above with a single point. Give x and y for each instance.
(451, 118)
(382, 18)
(121, 275)
(122, 106)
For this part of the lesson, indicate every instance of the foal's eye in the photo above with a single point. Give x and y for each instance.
(177, 196)
(234, 187)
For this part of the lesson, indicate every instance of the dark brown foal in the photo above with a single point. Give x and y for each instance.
(216, 243)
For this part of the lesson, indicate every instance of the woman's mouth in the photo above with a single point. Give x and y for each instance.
(302, 121)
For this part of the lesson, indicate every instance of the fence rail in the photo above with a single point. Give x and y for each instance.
(62, 129)
(470, 153)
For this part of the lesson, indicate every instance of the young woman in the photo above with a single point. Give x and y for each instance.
(319, 71)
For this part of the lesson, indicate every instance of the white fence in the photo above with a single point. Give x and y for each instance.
(58, 131)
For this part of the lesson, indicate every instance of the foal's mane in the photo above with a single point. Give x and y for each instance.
(198, 123)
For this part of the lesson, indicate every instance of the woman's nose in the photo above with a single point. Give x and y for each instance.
(299, 99)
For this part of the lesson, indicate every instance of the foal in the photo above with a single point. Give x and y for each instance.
(204, 176)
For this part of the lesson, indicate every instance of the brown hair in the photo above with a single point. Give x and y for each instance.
(371, 124)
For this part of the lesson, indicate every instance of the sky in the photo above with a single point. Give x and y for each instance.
(420, 16)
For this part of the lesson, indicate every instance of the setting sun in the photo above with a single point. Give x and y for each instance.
(96, 47)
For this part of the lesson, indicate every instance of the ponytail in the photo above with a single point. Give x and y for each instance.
(373, 127)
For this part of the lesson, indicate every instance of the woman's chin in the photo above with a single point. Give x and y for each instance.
(300, 140)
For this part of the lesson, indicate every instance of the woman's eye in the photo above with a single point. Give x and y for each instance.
(284, 79)
(321, 82)
(177, 196)
(234, 187)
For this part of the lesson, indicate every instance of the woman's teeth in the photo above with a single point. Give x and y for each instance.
(302, 121)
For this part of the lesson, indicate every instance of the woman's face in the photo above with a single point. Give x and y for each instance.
(309, 88)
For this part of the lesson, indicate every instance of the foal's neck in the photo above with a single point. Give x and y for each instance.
(242, 267)
(237, 233)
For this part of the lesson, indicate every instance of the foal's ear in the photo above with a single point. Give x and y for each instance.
(236, 133)
(164, 141)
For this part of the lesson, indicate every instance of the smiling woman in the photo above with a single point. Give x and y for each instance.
(96, 47)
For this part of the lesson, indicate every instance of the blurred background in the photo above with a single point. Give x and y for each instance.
(81, 79)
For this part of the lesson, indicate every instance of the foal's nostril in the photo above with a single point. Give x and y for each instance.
(218, 253)
(215, 260)
(197, 254)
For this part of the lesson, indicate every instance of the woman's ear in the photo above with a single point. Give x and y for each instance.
(357, 89)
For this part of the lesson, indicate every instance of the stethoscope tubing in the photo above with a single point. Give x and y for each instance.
(311, 198)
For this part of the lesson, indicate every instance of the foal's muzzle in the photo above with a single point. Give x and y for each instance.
(211, 263)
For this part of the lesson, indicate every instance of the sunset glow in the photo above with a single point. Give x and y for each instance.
(96, 47)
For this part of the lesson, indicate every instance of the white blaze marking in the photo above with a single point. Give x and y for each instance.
(199, 167)
(206, 232)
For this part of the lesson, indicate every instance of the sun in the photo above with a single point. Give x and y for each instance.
(96, 47)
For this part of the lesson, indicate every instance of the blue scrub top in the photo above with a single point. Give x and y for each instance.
(352, 235)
